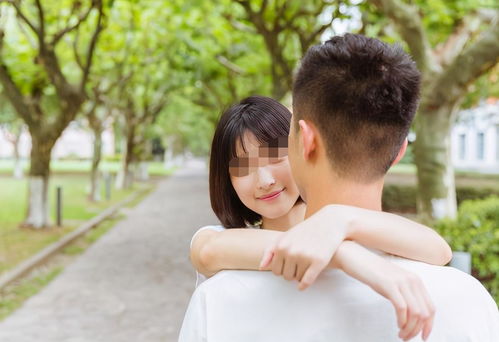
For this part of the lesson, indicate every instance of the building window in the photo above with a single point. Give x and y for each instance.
(462, 146)
(480, 138)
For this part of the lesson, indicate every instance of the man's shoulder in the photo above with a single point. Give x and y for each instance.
(445, 279)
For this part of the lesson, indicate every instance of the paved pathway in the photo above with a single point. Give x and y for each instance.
(133, 284)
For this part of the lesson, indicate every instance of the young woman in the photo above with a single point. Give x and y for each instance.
(251, 187)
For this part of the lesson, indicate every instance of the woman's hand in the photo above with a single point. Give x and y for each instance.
(305, 250)
(405, 290)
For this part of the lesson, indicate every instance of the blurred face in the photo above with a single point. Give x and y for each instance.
(262, 178)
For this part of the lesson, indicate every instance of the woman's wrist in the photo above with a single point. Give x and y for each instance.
(342, 217)
(357, 261)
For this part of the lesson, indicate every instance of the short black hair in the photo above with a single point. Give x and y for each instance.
(267, 119)
(362, 94)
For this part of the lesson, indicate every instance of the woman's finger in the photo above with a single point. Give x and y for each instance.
(431, 312)
(266, 258)
(277, 264)
(310, 275)
(424, 313)
(427, 329)
(300, 270)
(289, 269)
(413, 312)
(400, 306)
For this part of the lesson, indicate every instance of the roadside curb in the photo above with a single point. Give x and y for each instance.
(40, 257)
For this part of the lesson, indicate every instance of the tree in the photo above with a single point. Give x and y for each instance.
(33, 89)
(97, 115)
(448, 69)
(288, 29)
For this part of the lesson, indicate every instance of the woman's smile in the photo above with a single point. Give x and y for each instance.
(271, 196)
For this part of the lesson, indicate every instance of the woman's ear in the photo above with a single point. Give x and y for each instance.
(401, 153)
(308, 138)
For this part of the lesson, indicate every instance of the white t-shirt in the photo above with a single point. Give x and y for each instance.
(248, 306)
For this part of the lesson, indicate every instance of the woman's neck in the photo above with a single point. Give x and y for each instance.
(283, 223)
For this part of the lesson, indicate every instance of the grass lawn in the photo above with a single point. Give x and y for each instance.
(17, 244)
(82, 166)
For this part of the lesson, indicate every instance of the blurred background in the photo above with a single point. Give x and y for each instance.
(100, 99)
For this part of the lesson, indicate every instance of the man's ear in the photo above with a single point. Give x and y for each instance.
(401, 153)
(308, 138)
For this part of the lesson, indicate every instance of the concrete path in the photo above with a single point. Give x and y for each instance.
(134, 284)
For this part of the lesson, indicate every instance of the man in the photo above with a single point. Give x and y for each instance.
(354, 99)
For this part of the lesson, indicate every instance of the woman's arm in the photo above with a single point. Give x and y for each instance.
(242, 248)
(405, 290)
(214, 251)
(387, 232)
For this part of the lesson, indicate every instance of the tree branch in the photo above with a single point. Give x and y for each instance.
(93, 43)
(14, 94)
(453, 46)
(473, 62)
(69, 28)
(11, 90)
(264, 7)
(229, 65)
(41, 16)
(278, 16)
(408, 22)
(21, 15)
(238, 25)
(29, 37)
(76, 53)
(255, 17)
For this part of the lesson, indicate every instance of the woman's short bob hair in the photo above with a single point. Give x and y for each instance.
(267, 119)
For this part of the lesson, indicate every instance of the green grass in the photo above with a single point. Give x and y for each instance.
(83, 166)
(17, 244)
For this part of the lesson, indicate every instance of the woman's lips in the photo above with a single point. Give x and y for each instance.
(271, 196)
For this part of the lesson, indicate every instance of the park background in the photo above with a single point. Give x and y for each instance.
(140, 85)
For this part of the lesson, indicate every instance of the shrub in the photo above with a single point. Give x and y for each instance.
(476, 230)
(402, 198)
(399, 198)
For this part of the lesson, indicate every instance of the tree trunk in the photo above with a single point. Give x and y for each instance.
(95, 194)
(124, 179)
(432, 155)
(168, 155)
(38, 204)
(18, 168)
(120, 177)
(143, 171)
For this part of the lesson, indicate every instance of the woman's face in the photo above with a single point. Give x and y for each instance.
(262, 177)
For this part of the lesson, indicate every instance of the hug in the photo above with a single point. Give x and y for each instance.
(304, 251)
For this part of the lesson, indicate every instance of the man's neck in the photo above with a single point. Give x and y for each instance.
(332, 190)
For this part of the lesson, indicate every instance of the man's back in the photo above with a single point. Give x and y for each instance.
(258, 306)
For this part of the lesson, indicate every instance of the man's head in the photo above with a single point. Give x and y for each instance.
(354, 97)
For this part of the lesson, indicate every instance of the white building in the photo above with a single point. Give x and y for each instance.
(75, 142)
(475, 138)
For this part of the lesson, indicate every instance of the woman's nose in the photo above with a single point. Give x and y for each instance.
(265, 177)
